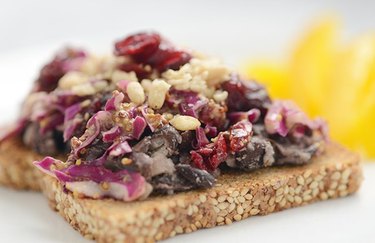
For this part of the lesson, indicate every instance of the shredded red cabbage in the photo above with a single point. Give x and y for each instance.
(139, 125)
(285, 117)
(114, 102)
(95, 181)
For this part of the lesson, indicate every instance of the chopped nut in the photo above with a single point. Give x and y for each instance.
(136, 93)
(146, 84)
(185, 123)
(156, 95)
(119, 75)
(220, 96)
(71, 79)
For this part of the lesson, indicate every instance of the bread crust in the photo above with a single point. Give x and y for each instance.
(16, 165)
(16, 168)
(236, 196)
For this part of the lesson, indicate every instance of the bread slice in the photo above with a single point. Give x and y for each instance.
(16, 165)
(16, 168)
(236, 196)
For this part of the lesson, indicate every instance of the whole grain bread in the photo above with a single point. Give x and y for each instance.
(236, 196)
(16, 168)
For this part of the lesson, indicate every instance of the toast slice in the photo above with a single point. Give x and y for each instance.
(16, 165)
(236, 196)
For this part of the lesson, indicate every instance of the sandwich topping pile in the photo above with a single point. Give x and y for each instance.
(156, 119)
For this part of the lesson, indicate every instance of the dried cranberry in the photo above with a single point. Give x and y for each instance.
(139, 46)
(151, 49)
(197, 160)
(49, 76)
(174, 60)
(220, 153)
(63, 62)
(212, 155)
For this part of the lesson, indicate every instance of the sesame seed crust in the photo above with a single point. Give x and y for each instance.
(236, 196)
(16, 166)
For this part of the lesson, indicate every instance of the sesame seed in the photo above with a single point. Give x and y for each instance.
(228, 221)
(188, 230)
(179, 229)
(181, 203)
(279, 198)
(307, 174)
(240, 210)
(193, 227)
(290, 198)
(241, 199)
(231, 207)
(282, 202)
(237, 217)
(338, 166)
(346, 173)
(307, 197)
(298, 189)
(220, 219)
(223, 213)
(286, 190)
(298, 199)
(300, 180)
(307, 192)
(335, 176)
(271, 201)
(323, 196)
(331, 193)
(230, 199)
(291, 191)
(170, 217)
(202, 198)
(159, 236)
(244, 191)
(235, 194)
(314, 185)
(342, 187)
(333, 185)
(256, 202)
(343, 193)
(279, 191)
(221, 198)
(190, 210)
(223, 205)
(248, 196)
(321, 185)
(198, 224)
(254, 211)
(315, 192)
(214, 201)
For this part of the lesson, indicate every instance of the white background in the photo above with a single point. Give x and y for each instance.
(233, 30)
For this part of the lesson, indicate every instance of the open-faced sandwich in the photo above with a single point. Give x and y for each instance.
(165, 141)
